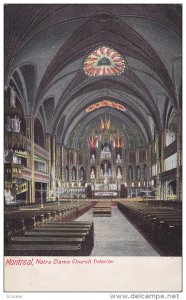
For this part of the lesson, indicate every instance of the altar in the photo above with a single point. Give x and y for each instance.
(106, 160)
(108, 194)
(100, 187)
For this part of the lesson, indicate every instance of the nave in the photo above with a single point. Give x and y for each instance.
(116, 236)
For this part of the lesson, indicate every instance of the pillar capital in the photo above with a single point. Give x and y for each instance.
(29, 116)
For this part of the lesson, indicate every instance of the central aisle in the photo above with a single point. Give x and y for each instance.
(116, 236)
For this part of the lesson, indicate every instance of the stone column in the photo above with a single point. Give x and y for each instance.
(70, 165)
(63, 163)
(149, 162)
(58, 161)
(28, 127)
(179, 157)
(53, 168)
(77, 167)
(123, 166)
(47, 146)
(165, 190)
(162, 162)
(27, 193)
(113, 164)
(30, 192)
(30, 162)
(97, 165)
(28, 136)
(59, 166)
(158, 158)
(126, 163)
(163, 145)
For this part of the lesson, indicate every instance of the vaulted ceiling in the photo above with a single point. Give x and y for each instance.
(45, 48)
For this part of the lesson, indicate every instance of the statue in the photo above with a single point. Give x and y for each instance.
(109, 172)
(119, 173)
(92, 174)
(106, 148)
(16, 124)
(15, 159)
(101, 172)
(118, 157)
(8, 197)
(93, 157)
(105, 169)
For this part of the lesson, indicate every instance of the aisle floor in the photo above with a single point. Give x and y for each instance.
(116, 236)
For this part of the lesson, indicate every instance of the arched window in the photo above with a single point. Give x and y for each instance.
(104, 61)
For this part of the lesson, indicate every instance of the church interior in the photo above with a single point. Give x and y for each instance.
(93, 129)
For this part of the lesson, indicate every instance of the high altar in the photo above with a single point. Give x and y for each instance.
(106, 167)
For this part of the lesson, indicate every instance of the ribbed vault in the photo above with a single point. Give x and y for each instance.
(45, 50)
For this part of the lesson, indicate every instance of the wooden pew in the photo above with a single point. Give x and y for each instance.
(102, 209)
(73, 229)
(15, 220)
(158, 223)
(47, 240)
(16, 249)
(85, 249)
(23, 218)
(46, 225)
(61, 229)
(58, 234)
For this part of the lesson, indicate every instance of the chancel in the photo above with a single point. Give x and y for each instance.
(93, 130)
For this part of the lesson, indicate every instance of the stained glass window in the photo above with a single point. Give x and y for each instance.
(104, 61)
(105, 103)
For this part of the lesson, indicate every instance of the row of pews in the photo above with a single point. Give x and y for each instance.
(162, 225)
(49, 231)
(102, 209)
